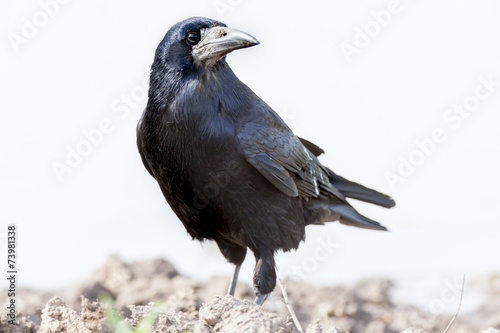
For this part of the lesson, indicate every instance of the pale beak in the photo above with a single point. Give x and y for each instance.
(216, 42)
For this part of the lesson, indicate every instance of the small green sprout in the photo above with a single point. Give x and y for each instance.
(118, 323)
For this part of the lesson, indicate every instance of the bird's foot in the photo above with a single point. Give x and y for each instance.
(259, 300)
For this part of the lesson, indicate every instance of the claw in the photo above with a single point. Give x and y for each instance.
(259, 300)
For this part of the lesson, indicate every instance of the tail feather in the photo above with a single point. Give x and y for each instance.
(359, 192)
(336, 208)
(349, 216)
(320, 211)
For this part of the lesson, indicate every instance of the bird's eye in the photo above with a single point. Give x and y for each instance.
(192, 38)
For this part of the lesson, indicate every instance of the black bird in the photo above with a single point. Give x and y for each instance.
(227, 164)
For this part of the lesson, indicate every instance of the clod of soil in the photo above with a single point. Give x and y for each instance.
(192, 306)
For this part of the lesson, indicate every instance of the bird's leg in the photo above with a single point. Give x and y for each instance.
(264, 275)
(234, 280)
(235, 254)
(259, 300)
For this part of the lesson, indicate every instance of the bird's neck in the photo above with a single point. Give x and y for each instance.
(202, 92)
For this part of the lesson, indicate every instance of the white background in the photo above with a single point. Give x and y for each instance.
(81, 65)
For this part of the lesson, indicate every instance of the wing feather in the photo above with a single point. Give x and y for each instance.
(283, 159)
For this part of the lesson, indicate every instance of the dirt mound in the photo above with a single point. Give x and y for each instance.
(191, 306)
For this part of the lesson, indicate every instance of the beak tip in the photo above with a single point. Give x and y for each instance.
(246, 40)
(253, 43)
(253, 40)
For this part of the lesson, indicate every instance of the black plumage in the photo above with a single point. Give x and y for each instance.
(227, 164)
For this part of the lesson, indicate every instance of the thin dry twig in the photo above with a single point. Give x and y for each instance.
(459, 305)
(289, 306)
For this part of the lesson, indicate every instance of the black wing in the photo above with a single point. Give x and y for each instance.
(283, 160)
(312, 147)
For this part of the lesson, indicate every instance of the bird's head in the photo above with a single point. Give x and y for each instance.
(200, 42)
